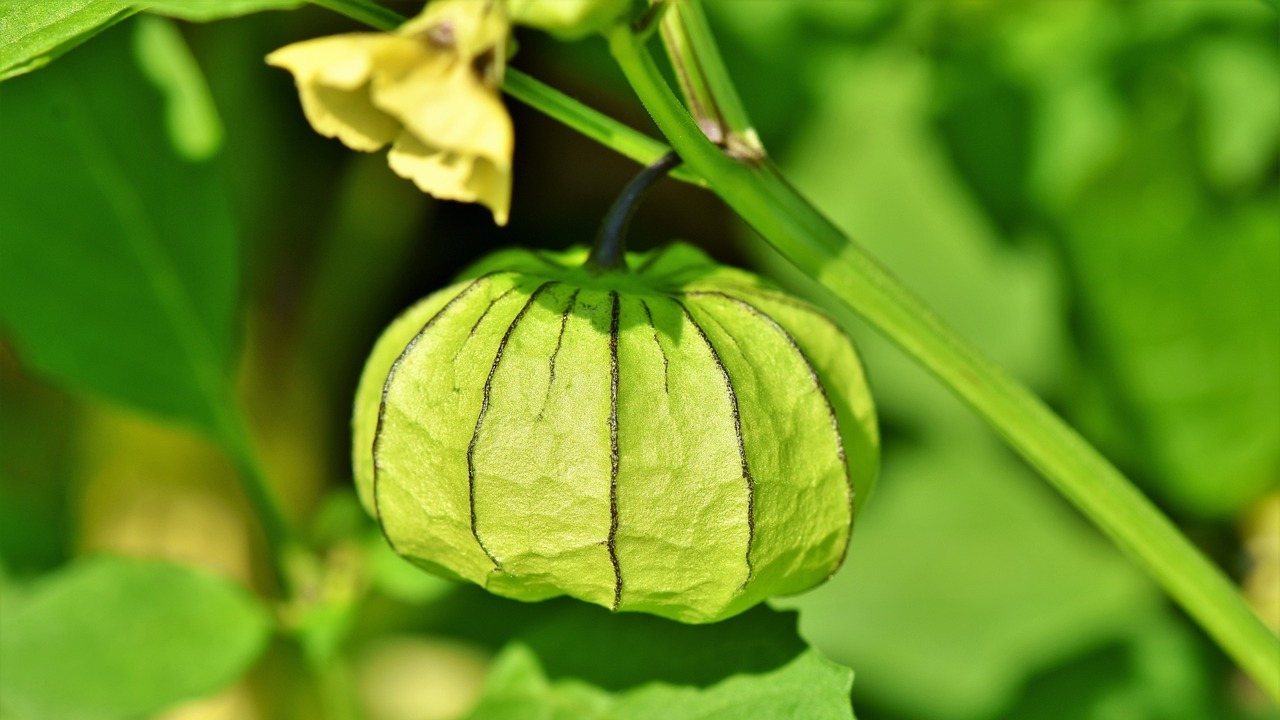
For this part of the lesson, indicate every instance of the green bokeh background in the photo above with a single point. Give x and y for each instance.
(1087, 190)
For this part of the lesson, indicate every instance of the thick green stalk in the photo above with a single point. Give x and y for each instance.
(592, 123)
(711, 95)
(787, 221)
(285, 549)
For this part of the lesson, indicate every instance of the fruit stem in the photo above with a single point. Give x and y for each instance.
(610, 249)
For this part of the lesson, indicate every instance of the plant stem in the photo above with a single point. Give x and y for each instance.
(711, 95)
(610, 249)
(338, 690)
(788, 222)
(284, 547)
(591, 123)
(365, 11)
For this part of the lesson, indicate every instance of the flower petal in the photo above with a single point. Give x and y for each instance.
(341, 61)
(458, 114)
(452, 176)
(347, 115)
(463, 28)
(333, 76)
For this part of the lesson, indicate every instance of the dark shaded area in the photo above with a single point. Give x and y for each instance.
(625, 650)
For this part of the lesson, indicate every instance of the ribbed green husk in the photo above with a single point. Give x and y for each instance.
(678, 438)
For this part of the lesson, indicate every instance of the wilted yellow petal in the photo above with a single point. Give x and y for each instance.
(451, 176)
(432, 88)
(457, 113)
(466, 29)
(333, 77)
(340, 61)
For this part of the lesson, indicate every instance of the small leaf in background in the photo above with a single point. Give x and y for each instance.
(119, 265)
(518, 689)
(588, 663)
(810, 686)
(1173, 242)
(113, 637)
(1183, 300)
(35, 32)
(1240, 85)
(985, 121)
(657, 649)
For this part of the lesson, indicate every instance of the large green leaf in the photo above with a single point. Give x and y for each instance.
(589, 664)
(111, 637)
(34, 32)
(119, 265)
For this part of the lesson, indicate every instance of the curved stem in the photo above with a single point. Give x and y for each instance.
(592, 123)
(610, 249)
(788, 222)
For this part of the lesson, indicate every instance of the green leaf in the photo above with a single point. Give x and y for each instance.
(518, 688)
(588, 663)
(810, 686)
(113, 637)
(118, 256)
(35, 32)
(205, 10)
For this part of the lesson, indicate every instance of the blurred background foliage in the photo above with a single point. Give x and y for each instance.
(1088, 190)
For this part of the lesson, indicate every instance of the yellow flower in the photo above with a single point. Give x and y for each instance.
(430, 89)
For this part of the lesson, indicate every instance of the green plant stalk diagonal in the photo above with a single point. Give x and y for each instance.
(787, 221)
(806, 238)
(712, 98)
(597, 126)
